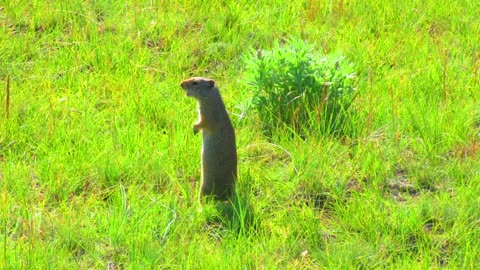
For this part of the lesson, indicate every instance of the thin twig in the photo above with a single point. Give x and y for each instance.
(279, 147)
(164, 236)
(174, 218)
(7, 98)
(5, 244)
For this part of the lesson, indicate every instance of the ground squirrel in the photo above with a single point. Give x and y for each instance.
(219, 154)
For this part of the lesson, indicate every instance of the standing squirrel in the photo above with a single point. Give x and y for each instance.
(219, 154)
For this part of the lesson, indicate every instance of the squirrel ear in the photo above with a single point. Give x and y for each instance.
(211, 83)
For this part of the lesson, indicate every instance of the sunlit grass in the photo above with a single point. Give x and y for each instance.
(99, 166)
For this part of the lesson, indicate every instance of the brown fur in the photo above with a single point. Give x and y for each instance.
(219, 154)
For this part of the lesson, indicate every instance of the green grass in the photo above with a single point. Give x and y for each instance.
(99, 167)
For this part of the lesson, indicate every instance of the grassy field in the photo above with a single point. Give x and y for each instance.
(99, 167)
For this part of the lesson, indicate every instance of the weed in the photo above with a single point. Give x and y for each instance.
(300, 89)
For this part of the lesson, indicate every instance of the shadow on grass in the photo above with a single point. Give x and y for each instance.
(235, 216)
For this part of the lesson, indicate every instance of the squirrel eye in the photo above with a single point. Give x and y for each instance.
(195, 83)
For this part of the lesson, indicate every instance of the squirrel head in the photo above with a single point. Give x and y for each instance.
(198, 87)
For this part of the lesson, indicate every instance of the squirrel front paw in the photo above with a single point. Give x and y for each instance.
(196, 129)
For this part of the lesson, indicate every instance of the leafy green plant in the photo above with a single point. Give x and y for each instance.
(301, 89)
